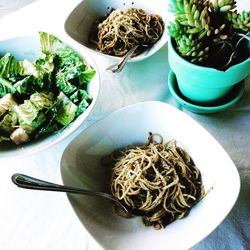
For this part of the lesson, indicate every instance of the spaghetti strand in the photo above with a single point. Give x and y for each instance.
(124, 28)
(158, 180)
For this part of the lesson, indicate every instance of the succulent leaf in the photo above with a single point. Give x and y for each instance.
(222, 5)
(176, 30)
(240, 21)
(192, 49)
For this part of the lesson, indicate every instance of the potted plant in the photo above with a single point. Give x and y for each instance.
(209, 48)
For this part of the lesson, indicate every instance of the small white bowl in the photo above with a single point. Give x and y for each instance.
(80, 22)
(28, 47)
(80, 167)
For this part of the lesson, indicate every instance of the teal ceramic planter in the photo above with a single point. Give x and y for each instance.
(203, 85)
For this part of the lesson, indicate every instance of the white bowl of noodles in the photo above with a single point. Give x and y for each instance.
(81, 22)
(82, 166)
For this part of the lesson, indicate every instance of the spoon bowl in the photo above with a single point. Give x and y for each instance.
(118, 67)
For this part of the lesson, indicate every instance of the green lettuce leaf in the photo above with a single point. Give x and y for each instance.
(82, 99)
(8, 123)
(45, 66)
(40, 74)
(29, 110)
(6, 87)
(66, 110)
(26, 112)
(87, 75)
(63, 84)
(9, 67)
(47, 129)
(42, 100)
(36, 123)
(72, 71)
(25, 86)
(51, 125)
(45, 62)
(49, 43)
(28, 68)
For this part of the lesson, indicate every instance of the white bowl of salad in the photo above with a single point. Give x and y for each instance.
(47, 90)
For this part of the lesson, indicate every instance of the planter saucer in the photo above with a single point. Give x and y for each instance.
(227, 102)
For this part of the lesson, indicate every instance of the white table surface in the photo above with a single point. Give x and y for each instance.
(32, 220)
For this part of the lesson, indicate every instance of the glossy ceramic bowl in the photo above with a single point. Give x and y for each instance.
(28, 47)
(81, 167)
(79, 23)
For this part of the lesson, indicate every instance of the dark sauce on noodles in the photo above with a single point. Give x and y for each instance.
(157, 181)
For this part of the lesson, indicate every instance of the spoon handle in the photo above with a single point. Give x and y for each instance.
(28, 182)
(118, 67)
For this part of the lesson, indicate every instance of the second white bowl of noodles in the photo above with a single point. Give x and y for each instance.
(79, 23)
(81, 166)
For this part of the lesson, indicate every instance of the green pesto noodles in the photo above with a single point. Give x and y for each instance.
(127, 27)
(159, 181)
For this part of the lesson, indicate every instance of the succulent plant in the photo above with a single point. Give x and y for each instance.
(222, 5)
(204, 29)
(239, 21)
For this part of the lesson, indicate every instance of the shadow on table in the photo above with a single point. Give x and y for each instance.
(233, 233)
